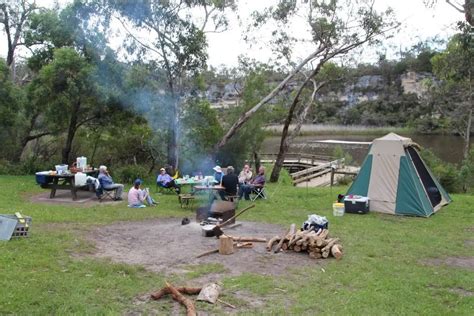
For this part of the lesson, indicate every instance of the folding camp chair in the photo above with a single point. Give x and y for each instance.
(258, 192)
(103, 193)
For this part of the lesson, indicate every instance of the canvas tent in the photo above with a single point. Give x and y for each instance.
(397, 181)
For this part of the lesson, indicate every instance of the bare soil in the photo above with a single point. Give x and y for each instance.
(164, 245)
(84, 198)
(458, 262)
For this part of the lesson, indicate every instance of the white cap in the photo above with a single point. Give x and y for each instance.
(217, 169)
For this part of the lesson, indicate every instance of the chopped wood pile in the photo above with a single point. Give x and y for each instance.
(318, 244)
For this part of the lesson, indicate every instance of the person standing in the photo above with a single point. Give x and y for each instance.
(245, 175)
(230, 182)
(166, 181)
(108, 183)
(137, 197)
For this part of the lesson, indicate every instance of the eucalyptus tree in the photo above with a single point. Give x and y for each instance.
(14, 19)
(453, 95)
(67, 90)
(172, 34)
(326, 29)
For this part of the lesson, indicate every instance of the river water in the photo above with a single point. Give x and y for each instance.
(447, 147)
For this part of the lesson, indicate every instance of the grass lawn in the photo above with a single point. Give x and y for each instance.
(386, 269)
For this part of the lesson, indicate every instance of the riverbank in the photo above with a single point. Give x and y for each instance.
(335, 129)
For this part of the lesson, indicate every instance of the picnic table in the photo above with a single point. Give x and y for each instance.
(210, 189)
(65, 181)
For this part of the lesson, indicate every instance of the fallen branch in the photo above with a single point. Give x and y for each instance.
(225, 303)
(251, 239)
(190, 308)
(185, 290)
(207, 253)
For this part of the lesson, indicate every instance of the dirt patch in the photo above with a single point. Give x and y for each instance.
(461, 292)
(458, 262)
(84, 198)
(164, 245)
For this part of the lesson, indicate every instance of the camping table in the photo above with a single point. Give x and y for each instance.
(192, 182)
(65, 182)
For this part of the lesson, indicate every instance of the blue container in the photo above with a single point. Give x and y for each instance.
(43, 177)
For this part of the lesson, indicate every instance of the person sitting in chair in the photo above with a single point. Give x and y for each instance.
(218, 174)
(107, 183)
(245, 175)
(166, 181)
(230, 182)
(137, 197)
(259, 181)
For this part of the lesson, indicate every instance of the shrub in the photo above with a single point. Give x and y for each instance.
(446, 173)
(127, 174)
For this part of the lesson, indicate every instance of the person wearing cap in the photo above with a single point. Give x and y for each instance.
(108, 183)
(137, 197)
(166, 181)
(218, 174)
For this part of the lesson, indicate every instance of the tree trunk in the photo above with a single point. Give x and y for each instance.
(247, 115)
(284, 143)
(66, 152)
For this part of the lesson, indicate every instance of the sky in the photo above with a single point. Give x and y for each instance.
(418, 23)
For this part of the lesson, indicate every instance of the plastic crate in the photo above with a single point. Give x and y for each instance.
(21, 229)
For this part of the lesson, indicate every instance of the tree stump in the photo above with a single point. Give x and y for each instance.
(226, 245)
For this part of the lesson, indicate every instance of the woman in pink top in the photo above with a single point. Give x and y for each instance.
(137, 196)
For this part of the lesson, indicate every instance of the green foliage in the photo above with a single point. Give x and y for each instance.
(200, 131)
(128, 173)
(466, 172)
(12, 100)
(339, 153)
(247, 140)
(446, 173)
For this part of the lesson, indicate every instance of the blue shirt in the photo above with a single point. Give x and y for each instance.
(164, 178)
(105, 180)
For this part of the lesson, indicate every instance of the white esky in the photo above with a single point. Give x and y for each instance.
(418, 23)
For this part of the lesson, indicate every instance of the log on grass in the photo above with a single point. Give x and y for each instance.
(190, 308)
(336, 252)
(185, 290)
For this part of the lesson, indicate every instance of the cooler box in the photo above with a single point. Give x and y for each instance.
(43, 177)
(356, 204)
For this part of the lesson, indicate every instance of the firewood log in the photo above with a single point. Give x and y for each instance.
(271, 242)
(297, 248)
(226, 245)
(329, 244)
(324, 234)
(186, 290)
(190, 308)
(285, 245)
(315, 255)
(280, 243)
(336, 252)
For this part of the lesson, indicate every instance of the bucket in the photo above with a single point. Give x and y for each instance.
(60, 169)
(81, 163)
(338, 209)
